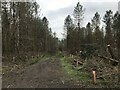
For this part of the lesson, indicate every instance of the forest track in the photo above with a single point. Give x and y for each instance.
(44, 74)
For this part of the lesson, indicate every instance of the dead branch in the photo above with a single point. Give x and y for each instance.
(78, 62)
(113, 60)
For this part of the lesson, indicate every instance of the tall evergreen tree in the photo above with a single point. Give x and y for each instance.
(69, 27)
(89, 37)
(78, 14)
(108, 20)
(23, 31)
(96, 28)
(5, 28)
(116, 28)
(79, 33)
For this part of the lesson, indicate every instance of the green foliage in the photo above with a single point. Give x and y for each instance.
(108, 20)
(78, 14)
(88, 33)
(96, 20)
(77, 36)
(97, 34)
(116, 27)
(24, 30)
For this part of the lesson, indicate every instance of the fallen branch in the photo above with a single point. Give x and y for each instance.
(113, 60)
(78, 62)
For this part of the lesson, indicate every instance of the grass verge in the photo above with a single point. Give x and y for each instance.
(74, 72)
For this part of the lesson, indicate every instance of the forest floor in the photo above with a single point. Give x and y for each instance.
(49, 72)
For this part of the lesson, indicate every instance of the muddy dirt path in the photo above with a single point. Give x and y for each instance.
(44, 74)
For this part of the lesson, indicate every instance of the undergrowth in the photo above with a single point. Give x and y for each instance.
(83, 73)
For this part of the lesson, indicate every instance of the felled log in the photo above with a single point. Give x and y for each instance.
(114, 62)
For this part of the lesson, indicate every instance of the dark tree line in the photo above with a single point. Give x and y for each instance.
(92, 35)
(24, 31)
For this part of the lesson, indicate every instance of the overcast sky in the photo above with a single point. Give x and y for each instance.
(57, 10)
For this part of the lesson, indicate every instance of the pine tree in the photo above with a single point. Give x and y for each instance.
(24, 32)
(5, 28)
(78, 14)
(78, 32)
(108, 20)
(116, 28)
(89, 37)
(96, 28)
(69, 27)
